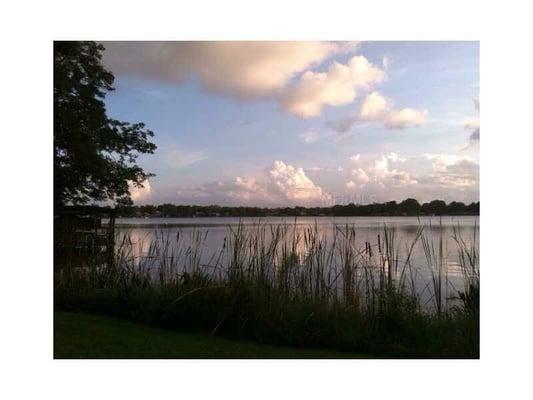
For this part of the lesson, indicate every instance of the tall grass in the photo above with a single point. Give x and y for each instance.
(289, 285)
(469, 262)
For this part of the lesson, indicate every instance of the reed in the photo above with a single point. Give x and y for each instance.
(281, 284)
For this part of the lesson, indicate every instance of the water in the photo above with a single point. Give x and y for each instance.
(143, 232)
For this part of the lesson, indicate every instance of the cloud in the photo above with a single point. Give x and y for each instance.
(474, 136)
(140, 194)
(292, 184)
(377, 173)
(377, 108)
(393, 177)
(473, 125)
(359, 179)
(452, 171)
(382, 177)
(381, 171)
(374, 107)
(281, 184)
(337, 86)
(392, 156)
(241, 69)
(440, 162)
(250, 70)
(405, 117)
(237, 191)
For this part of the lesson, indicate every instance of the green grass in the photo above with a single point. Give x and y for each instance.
(91, 336)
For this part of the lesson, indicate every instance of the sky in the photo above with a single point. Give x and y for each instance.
(301, 123)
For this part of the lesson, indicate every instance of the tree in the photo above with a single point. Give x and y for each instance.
(437, 207)
(390, 208)
(410, 206)
(94, 155)
(455, 208)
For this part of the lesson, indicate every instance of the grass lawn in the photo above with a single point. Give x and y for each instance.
(90, 336)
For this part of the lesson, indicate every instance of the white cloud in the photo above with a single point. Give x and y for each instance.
(384, 177)
(337, 86)
(240, 190)
(453, 173)
(374, 107)
(380, 168)
(140, 194)
(351, 185)
(281, 184)
(292, 184)
(242, 69)
(376, 173)
(359, 179)
(393, 177)
(442, 161)
(392, 156)
(249, 70)
(355, 157)
(405, 117)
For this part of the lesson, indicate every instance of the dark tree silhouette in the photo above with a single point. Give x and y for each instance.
(410, 206)
(407, 207)
(436, 207)
(94, 155)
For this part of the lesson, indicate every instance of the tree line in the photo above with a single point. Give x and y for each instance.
(408, 207)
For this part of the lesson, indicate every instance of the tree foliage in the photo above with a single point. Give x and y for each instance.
(408, 207)
(94, 155)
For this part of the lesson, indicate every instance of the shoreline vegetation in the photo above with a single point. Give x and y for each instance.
(279, 286)
(407, 207)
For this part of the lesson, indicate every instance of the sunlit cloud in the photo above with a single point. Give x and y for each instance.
(240, 69)
(377, 108)
(374, 107)
(391, 176)
(337, 86)
(140, 193)
(281, 184)
(406, 117)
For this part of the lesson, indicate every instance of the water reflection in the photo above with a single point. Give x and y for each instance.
(213, 235)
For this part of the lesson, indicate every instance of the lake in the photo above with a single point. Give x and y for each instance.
(213, 233)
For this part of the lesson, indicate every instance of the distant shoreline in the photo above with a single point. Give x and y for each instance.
(405, 208)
